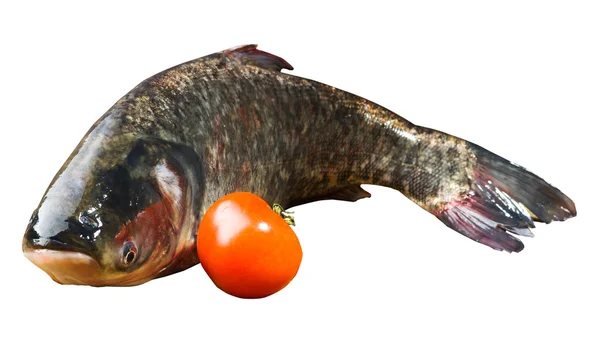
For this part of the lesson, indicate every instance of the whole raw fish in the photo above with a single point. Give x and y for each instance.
(125, 206)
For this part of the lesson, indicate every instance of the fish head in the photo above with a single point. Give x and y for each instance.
(115, 216)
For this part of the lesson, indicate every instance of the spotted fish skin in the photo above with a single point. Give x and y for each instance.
(288, 138)
(232, 121)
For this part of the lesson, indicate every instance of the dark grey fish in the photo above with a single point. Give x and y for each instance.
(125, 206)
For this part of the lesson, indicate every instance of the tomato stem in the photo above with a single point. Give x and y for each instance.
(285, 215)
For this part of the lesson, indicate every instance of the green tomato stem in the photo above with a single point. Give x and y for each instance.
(285, 215)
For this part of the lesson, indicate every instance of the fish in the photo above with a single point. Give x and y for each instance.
(125, 206)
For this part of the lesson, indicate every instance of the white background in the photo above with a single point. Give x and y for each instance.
(380, 276)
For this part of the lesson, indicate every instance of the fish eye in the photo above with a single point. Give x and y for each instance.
(129, 253)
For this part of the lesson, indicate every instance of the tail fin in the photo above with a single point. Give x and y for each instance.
(504, 201)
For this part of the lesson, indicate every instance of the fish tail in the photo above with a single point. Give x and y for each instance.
(504, 201)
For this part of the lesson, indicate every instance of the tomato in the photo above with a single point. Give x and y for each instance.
(247, 249)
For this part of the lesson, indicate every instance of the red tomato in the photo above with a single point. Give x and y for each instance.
(247, 250)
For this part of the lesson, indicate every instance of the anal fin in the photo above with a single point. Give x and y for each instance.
(349, 193)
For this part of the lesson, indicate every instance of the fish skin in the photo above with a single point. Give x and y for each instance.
(231, 121)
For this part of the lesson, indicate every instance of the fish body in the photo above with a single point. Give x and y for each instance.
(125, 206)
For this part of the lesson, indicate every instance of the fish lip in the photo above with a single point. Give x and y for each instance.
(66, 267)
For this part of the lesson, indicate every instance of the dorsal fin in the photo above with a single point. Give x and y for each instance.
(248, 54)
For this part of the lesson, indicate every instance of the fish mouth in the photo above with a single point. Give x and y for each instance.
(67, 267)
